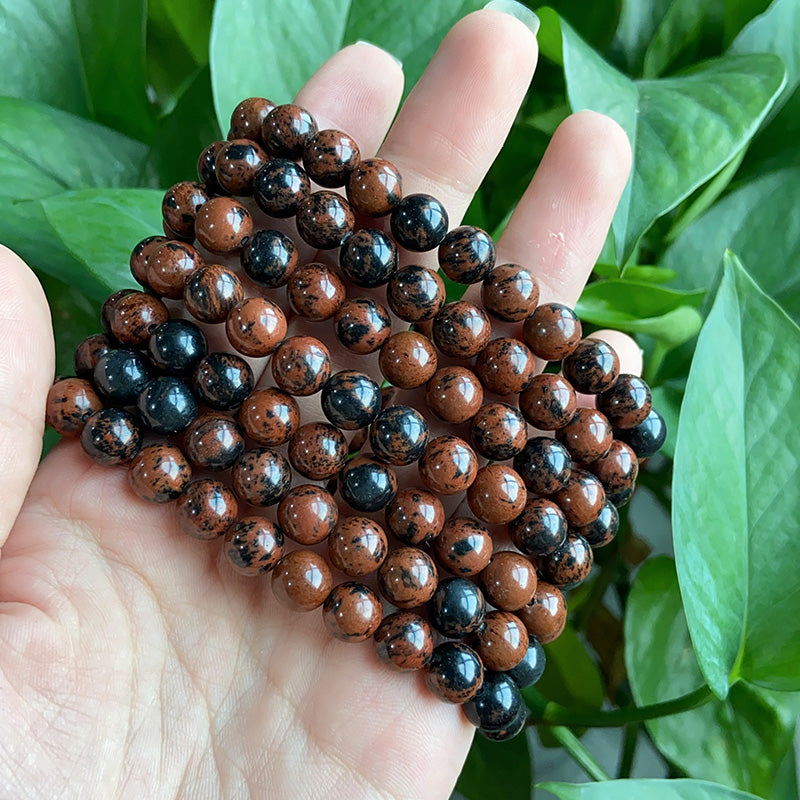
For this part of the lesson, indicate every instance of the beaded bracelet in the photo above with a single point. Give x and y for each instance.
(149, 394)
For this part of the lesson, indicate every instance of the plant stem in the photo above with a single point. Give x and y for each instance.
(573, 745)
(628, 750)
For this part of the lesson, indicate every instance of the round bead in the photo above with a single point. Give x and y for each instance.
(627, 403)
(236, 165)
(329, 157)
(180, 206)
(603, 530)
(531, 668)
(549, 402)
(351, 400)
(362, 325)
(287, 129)
(269, 258)
(466, 254)
(497, 495)
(213, 442)
(461, 329)
(159, 473)
(248, 117)
(510, 292)
(307, 514)
(324, 220)
(592, 367)
(352, 612)
(318, 450)
(407, 359)
(648, 437)
(70, 402)
(212, 292)
(368, 257)
(404, 641)
(223, 225)
(505, 366)
(110, 436)
(166, 405)
(546, 615)
(89, 352)
(415, 293)
(374, 187)
(366, 484)
(514, 728)
(177, 346)
(419, 222)
(497, 704)
(279, 187)
(502, 641)
(407, 577)
(206, 509)
(223, 381)
(270, 417)
(622, 498)
(581, 499)
(399, 435)
(120, 375)
(107, 309)
(454, 672)
(464, 547)
(569, 565)
(254, 545)
(448, 466)
(135, 316)
(457, 608)
(255, 326)
(301, 365)
(206, 168)
(357, 546)
(552, 331)
(587, 435)
(261, 477)
(141, 253)
(415, 516)
(509, 580)
(169, 266)
(454, 394)
(540, 529)
(301, 580)
(498, 431)
(618, 469)
(544, 464)
(315, 292)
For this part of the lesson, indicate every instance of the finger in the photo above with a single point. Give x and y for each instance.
(26, 372)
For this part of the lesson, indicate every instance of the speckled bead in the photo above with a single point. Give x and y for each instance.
(510, 292)
(368, 257)
(135, 316)
(261, 476)
(618, 469)
(70, 402)
(531, 668)
(502, 641)
(308, 514)
(324, 220)
(269, 258)
(407, 578)
(255, 326)
(166, 405)
(211, 292)
(404, 641)
(467, 254)
(399, 435)
(603, 530)
(357, 546)
(546, 615)
(177, 346)
(374, 187)
(461, 329)
(120, 375)
(587, 435)
(254, 545)
(169, 266)
(206, 509)
(457, 608)
(497, 495)
(620, 499)
(318, 450)
(419, 222)
(496, 705)
(286, 130)
(213, 442)
(569, 565)
(646, 438)
(159, 473)
(222, 381)
(223, 225)
(407, 359)
(301, 365)
(352, 612)
(362, 325)
(141, 253)
(206, 168)
(279, 187)
(110, 436)
(552, 331)
(505, 366)
(464, 547)
(180, 205)
(498, 431)
(329, 157)
(592, 367)
(415, 516)
(509, 580)
(549, 402)
(236, 165)
(248, 117)
(366, 484)
(454, 394)
(107, 309)
(544, 464)
(454, 672)
(540, 529)
(581, 499)
(415, 293)
(351, 400)
(89, 352)
(315, 292)
(627, 403)
(301, 580)
(448, 466)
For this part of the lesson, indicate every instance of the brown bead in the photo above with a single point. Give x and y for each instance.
(261, 477)
(213, 442)
(352, 612)
(509, 580)
(464, 547)
(627, 403)
(415, 516)
(139, 255)
(549, 402)
(318, 450)
(159, 473)
(454, 394)
(107, 309)
(324, 220)
(169, 266)
(593, 366)
(466, 254)
(248, 117)
(89, 352)
(254, 545)
(505, 366)
(552, 331)
(404, 640)
(408, 359)
(461, 329)
(236, 165)
(540, 529)
(206, 168)
(375, 187)
(510, 293)
(546, 615)
(270, 416)
(617, 469)
(212, 292)
(362, 325)
(181, 204)
(569, 565)
(301, 365)
(330, 156)
(301, 580)
(581, 499)
(448, 466)
(308, 514)
(315, 292)
(173, 234)
(498, 431)
(70, 402)
(255, 326)
(206, 509)
(415, 293)
(497, 495)
(357, 546)
(408, 577)
(286, 130)
(587, 435)
(135, 316)
(502, 641)
(223, 225)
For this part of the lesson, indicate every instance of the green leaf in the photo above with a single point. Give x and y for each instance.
(645, 789)
(735, 500)
(190, 21)
(737, 15)
(595, 21)
(497, 770)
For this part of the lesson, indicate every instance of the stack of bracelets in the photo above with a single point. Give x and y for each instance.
(150, 395)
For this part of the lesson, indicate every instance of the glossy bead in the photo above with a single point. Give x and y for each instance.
(510, 292)
(404, 641)
(120, 376)
(514, 728)
(407, 359)
(222, 381)
(448, 466)
(352, 612)
(279, 187)
(374, 187)
(110, 436)
(169, 266)
(415, 516)
(648, 437)
(454, 394)
(307, 514)
(540, 529)
(89, 352)
(419, 222)
(552, 331)
(618, 469)
(351, 400)
(301, 365)
(315, 292)
(206, 168)
(368, 258)
(581, 499)
(177, 346)
(461, 329)
(70, 402)
(166, 405)
(399, 435)
(180, 205)
(454, 672)
(407, 578)
(141, 253)
(546, 615)
(269, 258)
(415, 293)
(544, 464)
(569, 565)
(509, 580)
(261, 476)
(255, 326)
(366, 484)
(362, 325)
(505, 366)
(269, 416)
(159, 473)
(248, 117)
(497, 495)
(620, 499)
(286, 130)
(329, 157)
(213, 442)
(236, 165)
(502, 641)
(464, 547)
(457, 608)
(301, 580)
(135, 317)
(107, 309)
(466, 254)
(587, 435)
(627, 403)
(603, 530)
(223, 225)
(498, 431)
(324, 220)
(592, 367)
(549, 402)
(206, 509)
(531, 668)
(496, 704)
(357, 546)
(318, 450)
(254, 545)
(212, 292)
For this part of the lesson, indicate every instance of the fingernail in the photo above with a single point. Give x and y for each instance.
(518, 11)
(391, 55)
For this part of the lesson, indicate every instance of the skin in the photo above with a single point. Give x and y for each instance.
(133, 663)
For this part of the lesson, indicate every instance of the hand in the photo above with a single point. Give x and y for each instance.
(132, 662)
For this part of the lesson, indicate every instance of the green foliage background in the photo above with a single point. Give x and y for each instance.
(103, 105)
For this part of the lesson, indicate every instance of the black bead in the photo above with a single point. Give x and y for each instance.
(531, 668)
(399, 435)
(620, 499)
(544, 464)
(120, 375)
(603, 530)
(176, 346)
(496, 704)
(280, 186)
(269, 257)
(648, 437)
(223, 381)
(368, 485)
(111, 436)
(419, 222)
(368, 257)
(540, 529)
(167, 405)
(515, 727)
(454, 672)
(457, 608)
(351, 400)
(495, 437)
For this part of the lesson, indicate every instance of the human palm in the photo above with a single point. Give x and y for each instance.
(133, 662)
